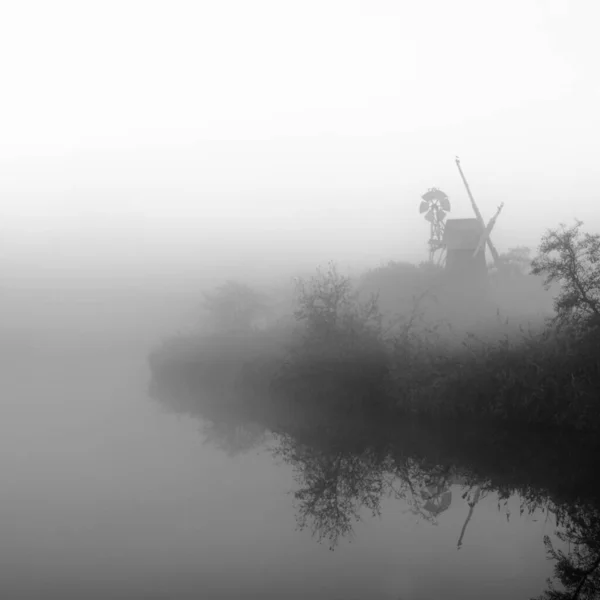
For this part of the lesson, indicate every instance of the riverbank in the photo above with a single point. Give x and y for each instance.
(409, 340)
(547, 379)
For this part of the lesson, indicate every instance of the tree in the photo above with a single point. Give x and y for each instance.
(335, 318)
(338, 358)
(234, 306)
(516, 261)
(327, 304)
(572, 258)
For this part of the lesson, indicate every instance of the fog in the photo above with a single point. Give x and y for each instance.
(140, 138)
(150, 152)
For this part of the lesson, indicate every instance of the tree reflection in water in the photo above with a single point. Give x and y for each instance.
(335, 484)
(577, 570)
(344, 471)
(334, 487)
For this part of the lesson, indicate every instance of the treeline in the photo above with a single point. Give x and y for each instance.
(401, 341)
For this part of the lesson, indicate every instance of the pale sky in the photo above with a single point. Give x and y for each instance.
(134, 132)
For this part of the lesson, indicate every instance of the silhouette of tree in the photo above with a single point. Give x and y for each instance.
(333, 488)
(579, 570)
(336, 484)
(572, 258)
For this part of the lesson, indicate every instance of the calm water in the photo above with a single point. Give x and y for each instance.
(106, 495)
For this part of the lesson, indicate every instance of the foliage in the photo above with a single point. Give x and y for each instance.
(340, 349)
(345, 467)
(333, 488)
(306, 382)
(547, 377)
(515, 289)
(338, 355)
(234, 306)
(398, 284)
(516, 261)
(572, 258)
(578, 571)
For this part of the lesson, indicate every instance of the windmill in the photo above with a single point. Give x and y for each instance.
(461, 242)
(435, 205)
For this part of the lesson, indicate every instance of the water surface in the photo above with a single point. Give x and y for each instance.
(107, 494)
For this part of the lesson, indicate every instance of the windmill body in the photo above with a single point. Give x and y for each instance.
(461, 237)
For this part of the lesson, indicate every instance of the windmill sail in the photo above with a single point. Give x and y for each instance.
(486, 234)
(478, 214)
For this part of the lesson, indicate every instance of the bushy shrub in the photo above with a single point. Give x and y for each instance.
(339, 356)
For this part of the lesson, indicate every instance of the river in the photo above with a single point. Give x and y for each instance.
(105, 494)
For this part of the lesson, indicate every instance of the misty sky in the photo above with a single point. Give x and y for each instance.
(143, 133)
